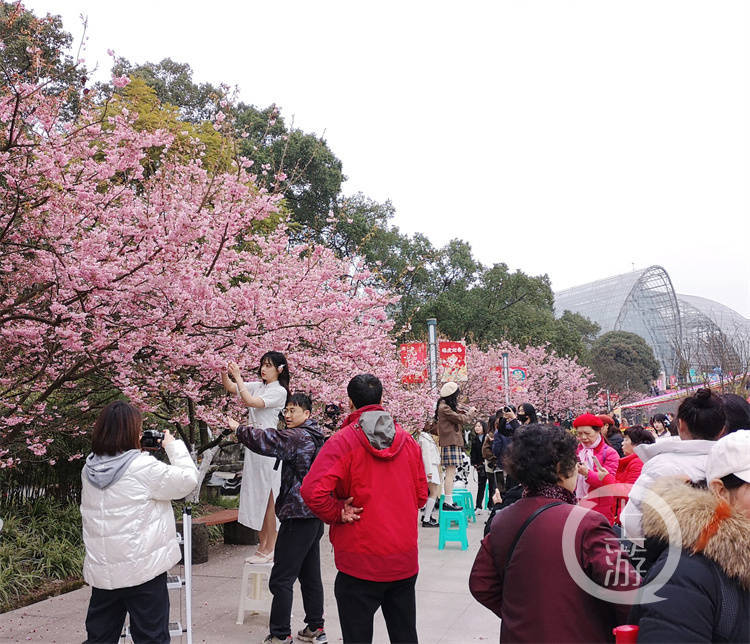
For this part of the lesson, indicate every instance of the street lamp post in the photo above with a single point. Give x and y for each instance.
(432, 339)
(506, 377)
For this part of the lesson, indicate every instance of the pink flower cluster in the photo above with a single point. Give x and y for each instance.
(130, 267)
(553, 384)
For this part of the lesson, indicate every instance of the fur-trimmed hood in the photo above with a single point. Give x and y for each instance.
(694, 509)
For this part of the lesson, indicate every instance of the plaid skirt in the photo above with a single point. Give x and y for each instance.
(450, 456)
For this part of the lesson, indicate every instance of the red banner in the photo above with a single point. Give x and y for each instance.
(497, 372)
(452, 356)
(614, 399)
(414, 360)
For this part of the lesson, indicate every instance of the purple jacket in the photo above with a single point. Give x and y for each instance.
(295, 448)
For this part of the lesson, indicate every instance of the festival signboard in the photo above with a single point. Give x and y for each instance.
(614, 399)
(414, 360)
(518, 380)
(518, 377)
(452, 356)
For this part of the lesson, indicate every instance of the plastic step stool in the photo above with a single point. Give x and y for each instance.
(463, 498)
(254, 594)
(447, 531)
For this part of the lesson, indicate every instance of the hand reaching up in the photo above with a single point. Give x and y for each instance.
(234, 370)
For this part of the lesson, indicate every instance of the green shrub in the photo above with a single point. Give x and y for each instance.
(40, 542)
(228, 502)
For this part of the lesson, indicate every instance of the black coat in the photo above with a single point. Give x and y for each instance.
(475, 456)
(702, 603)
(503, 437)
(615, 440)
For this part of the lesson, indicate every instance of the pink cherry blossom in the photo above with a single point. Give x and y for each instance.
(135, 269)
(553, 384)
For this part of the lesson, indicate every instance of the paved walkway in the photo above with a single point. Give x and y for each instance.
(446, 612)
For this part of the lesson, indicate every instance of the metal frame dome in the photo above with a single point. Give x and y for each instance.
(716, 336)
(685, 331)
(642, 302)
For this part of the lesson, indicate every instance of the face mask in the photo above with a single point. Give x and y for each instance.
(522, 417)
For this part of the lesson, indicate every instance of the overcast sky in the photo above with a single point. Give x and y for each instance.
(577, 139)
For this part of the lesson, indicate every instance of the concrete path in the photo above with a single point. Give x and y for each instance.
(446, 612)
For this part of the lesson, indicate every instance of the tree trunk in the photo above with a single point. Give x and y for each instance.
(208, 457)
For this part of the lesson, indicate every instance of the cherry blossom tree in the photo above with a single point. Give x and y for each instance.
(553, 384)
(133, 270)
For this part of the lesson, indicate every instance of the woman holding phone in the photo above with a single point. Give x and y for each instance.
(261, 477)
(597, 464)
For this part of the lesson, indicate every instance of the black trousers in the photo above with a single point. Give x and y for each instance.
(148, 607)
(296, 556)
(491, 487)
(482, 481)
(359, 599)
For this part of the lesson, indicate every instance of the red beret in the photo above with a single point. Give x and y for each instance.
(588, 420)
(606, 420)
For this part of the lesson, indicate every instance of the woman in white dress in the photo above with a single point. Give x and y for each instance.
(260, 482)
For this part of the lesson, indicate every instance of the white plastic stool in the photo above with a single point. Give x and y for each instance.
(254, 595)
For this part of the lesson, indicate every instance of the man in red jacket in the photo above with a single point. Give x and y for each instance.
(368, 483)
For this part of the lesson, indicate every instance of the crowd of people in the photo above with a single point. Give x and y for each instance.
(377, 485)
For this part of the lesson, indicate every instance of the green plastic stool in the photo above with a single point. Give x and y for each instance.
(447, 531)
(464, 498)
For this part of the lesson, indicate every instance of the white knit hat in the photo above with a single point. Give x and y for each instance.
(448, 389)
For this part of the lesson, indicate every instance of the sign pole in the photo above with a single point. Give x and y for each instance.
(432, 349)
(506, 377)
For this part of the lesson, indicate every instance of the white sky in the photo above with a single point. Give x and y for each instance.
(573, 138)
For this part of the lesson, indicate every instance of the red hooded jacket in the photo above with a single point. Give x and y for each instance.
(387, 482)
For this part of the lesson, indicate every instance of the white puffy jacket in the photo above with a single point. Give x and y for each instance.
(666, 457)
(128, 527)
(430, 457)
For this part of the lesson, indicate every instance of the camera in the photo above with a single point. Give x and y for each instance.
(507, 409)
(151, 439)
